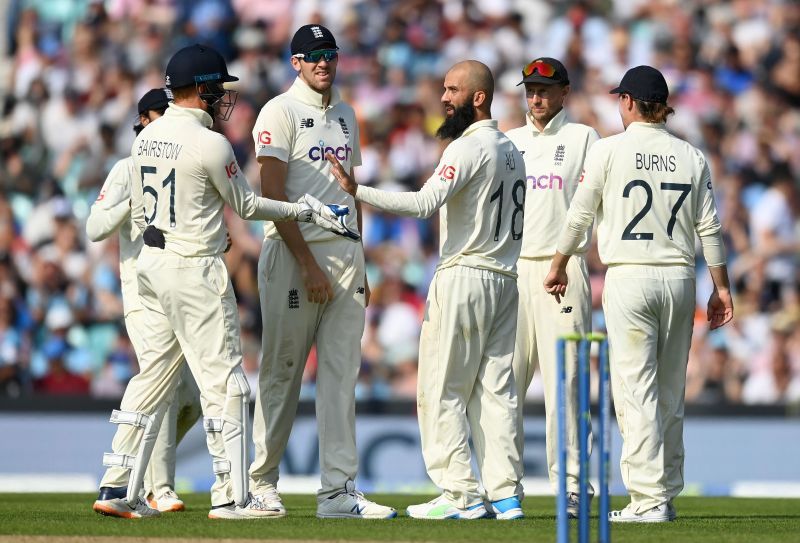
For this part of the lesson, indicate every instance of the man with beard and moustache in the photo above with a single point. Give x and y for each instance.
(553, 149)
(310, 283)
(466, 384)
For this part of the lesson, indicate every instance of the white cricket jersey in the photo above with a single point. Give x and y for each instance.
(553, 165)
(111, 212)
(480, 181)
(651, 192)
(185, 174)
(296, 128)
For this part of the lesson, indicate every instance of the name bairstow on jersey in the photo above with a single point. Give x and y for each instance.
(159, 149)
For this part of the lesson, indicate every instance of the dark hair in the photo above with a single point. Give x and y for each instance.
(654, 112)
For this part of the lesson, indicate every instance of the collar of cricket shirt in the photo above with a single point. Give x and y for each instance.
(307, 95)
(639, 125)
(202, 117)
(555, 123)
(489, 123)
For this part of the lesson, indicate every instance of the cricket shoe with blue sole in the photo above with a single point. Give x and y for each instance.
(507, 509)
(350, 503)
(441, 509)
(112, 502)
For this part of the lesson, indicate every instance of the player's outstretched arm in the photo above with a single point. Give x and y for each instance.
(420, 204)
(720, 303)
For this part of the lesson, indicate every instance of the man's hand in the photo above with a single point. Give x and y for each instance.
(318, 287)
(329, 217)
(720, 308)
(556, 283)
(345, 181)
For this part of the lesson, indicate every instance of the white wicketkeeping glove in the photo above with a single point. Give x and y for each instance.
(330, 217)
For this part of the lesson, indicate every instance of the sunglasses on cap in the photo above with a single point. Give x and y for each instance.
(544, 69)
(319, 54)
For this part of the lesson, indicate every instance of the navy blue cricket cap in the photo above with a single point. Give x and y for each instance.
(643, 83)
(196, 64)
(312, 38)
(154, 100)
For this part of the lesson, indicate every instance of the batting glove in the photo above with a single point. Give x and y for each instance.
(329, 217)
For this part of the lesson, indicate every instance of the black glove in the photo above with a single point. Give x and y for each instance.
(153, 237)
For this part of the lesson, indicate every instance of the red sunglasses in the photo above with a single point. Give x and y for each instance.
(544, 69)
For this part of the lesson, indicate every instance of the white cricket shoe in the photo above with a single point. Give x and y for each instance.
(349, 503)
(112, 502)
(271, 499)
(168, 502)
(252, 509)
(660, 513)
(441, 508)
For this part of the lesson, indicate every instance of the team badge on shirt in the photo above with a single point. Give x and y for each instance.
(558, 158)
(345, 130)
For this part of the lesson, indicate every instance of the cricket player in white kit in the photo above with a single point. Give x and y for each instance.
(466, 384)
(554, 150)
(311, 283)
(650, 193)
(111, 212)
(186, 173)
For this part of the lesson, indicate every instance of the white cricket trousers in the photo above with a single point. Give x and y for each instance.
(541, 321)
(649, 313)
(189, 309)
(466, 386)
(183, 412)
(291, 325)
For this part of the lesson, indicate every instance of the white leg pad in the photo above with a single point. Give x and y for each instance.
(212, 424)
(221, 466)
(134, 418)
(234, 432)
(124, 461)
(148, 441)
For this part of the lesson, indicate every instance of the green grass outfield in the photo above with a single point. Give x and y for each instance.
(699, 519)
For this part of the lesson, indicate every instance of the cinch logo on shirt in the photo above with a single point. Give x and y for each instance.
(319, 152)
(546, 181)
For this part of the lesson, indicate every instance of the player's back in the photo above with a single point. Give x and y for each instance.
(173, 156)
(481, 225)
(657, 194)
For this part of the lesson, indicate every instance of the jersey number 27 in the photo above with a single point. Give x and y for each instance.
(683, 188)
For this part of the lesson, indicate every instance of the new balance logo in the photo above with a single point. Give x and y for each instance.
(357, 510)
(566, 309)
(294, 299)
(345, 130)
(360, 290)
(558, 158)
(306, 123)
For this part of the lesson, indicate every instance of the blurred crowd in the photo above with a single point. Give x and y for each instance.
(71, 72)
